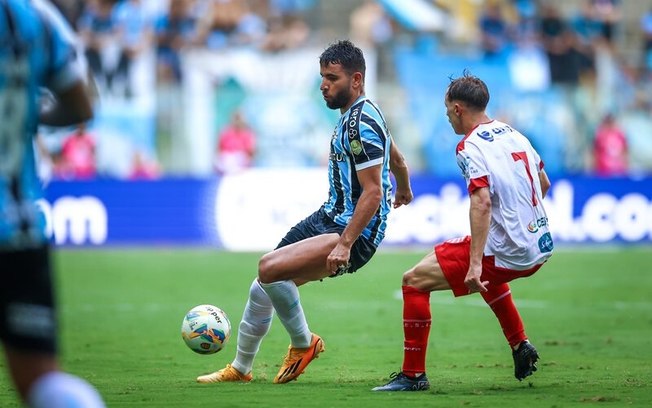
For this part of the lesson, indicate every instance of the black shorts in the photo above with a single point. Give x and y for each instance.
(27, 312)
(319, 223)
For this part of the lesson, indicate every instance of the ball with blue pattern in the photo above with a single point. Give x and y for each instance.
(206, 329)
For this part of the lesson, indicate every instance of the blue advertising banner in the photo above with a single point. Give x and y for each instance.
(580, 210)
(172, 211)
(253, 210)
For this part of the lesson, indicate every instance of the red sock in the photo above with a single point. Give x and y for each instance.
(499, 298)
(416, 328)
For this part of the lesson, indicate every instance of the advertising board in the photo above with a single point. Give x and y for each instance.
(253, 210)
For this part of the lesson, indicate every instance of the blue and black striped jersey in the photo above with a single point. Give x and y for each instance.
(34, 54)
(360, 140)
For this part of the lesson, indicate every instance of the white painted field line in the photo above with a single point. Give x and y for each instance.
(477, 301)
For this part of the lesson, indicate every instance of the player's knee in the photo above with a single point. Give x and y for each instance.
(421, 277)
(410, 278)
(266, 269)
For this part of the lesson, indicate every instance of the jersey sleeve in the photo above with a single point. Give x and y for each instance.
(65, 69)
(537, 159)
(365, 143)
(472, 163)
(538, 163)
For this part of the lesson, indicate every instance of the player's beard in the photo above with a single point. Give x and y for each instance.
(340, 100)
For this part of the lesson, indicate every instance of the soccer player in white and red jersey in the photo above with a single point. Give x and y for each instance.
(509, 237)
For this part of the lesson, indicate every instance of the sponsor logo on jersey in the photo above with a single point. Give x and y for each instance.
(545, 243)
(485, 136)
(338, 157)
(353, 123)
(501, 130)
(353, 133)
(463, 163)
(489, 135)
(34, 321)
(534, 225)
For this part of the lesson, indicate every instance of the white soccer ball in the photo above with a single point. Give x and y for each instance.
(206, 329)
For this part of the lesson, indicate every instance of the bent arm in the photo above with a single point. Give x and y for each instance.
(480, 218)
(368, 203)
(366, 207)
(545, 183)
(398, 167)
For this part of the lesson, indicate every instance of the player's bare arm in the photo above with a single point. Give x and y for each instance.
(480, 217)
(398, 167)
(545, 182)
(368, 203)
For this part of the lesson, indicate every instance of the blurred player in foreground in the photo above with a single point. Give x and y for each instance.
(35, 55)
(341, 236)
(509, 234)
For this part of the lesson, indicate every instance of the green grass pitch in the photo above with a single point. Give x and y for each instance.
(588, 311)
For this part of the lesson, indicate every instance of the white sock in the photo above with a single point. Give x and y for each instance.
(285, 298)
(255, 323)
(61, 390)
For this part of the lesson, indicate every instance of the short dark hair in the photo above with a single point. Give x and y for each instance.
(345, 53)
(468, 89)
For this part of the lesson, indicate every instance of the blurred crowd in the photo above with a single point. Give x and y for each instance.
(601, 62)
(603, 69)
(115, 32)
(595, 54)
(579, 45)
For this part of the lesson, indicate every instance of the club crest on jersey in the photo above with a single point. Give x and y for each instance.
(356, 147)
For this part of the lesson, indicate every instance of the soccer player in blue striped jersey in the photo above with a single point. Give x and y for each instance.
(35, 55)
(341, 236)
(361, 140)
